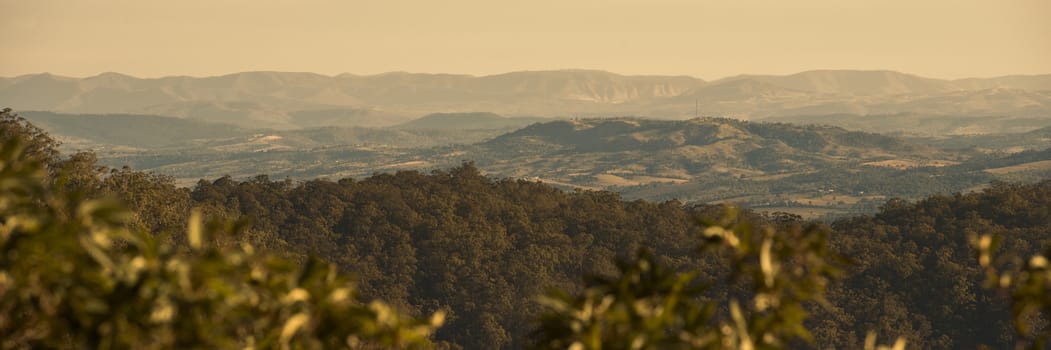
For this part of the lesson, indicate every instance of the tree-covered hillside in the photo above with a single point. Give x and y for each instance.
(484, 248)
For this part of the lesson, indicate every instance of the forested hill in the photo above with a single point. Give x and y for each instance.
(915, 272)
(726, 137)
(770, 165)
(456, 240)
(484, 249)
(606, 153)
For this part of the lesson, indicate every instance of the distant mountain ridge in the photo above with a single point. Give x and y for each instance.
(886, 82)
(286, 100)
(859, 83)
(469, 120)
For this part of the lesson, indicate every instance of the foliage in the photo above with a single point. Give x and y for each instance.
(915, 272)
(1027, 283)
(456, 240)
(72, 275)
(37, 143)
(649, 307)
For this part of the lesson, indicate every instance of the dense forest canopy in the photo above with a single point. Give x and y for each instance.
(481, 250)
(484, 247)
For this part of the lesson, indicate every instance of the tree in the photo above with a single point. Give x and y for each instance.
(37, 143)
(648, 306)
(1026, 282)
(73, 275)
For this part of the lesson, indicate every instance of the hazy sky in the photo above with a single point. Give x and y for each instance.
(707, 39)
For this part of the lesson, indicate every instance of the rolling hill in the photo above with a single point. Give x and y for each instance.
(583, 151)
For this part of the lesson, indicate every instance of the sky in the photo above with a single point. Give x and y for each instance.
(702, 38)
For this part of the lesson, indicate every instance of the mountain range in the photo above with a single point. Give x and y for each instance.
(281, 100)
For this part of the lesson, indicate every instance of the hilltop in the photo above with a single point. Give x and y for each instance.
(640, 151)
